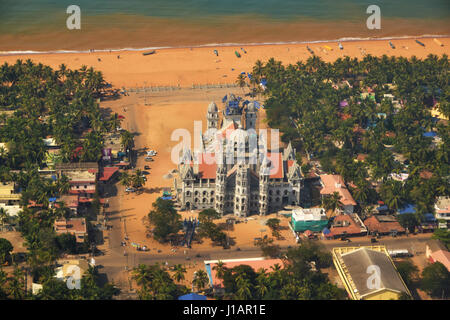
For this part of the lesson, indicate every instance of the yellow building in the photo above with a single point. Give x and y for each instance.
(368, 273)
(438, 114)
(9, 199)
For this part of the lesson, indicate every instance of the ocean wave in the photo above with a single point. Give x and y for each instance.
(229, 44)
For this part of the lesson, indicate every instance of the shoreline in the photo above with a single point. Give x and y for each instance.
(193, 66)
(222, 45)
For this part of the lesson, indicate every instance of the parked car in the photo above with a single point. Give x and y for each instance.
(151, 153)
(130, 189)
(146, 168)
(148, 159)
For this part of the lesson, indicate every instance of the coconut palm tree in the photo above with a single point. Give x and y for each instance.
(179, 272)
(125, 179)
(244, 288)
(332, 202)
(200, 279)
(220, 269)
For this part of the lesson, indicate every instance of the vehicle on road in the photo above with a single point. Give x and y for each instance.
(152, 153)
(146, 167)
(130, 189)
(149, 159)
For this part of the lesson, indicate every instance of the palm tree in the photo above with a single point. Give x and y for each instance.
(126, 139)
(137, 179)
(179, 272)
(63, 184)
(244, 288)
(261, 281)
(125, 179)
(241, 81)
(220, 269)
(332, 202)
(114, 122)
(200, 279)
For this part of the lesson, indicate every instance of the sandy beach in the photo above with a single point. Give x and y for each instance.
(188, 66)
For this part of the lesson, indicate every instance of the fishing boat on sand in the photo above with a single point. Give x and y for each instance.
(438, 42)
(310, 51)
(149, 53)
(392, 46)
(340, 46)
(216, 52)
(420, 43)
(237, 54)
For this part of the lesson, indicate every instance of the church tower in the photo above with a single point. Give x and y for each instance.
(264, 172)
(242, 190)
(251, 116)
(221, 174)
(212, 116)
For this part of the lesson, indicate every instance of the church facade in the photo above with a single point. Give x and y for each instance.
(234, 172)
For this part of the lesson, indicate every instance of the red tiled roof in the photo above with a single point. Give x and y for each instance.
(344, 116)
(331, 182)
(373, 224)
(71, 201)
(207, 166)
(276, 170)
(32, 204)
(351, 229)
(75, 191)
(362, 157)
(425, 174)
(107, 173)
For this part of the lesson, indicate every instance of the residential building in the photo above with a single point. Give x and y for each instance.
(368, 273)
(383, 225)
(346, 225)
(435, 251)
(442, 208)
(9, 199)
(75, 226)
(314, 219)
(335, 183)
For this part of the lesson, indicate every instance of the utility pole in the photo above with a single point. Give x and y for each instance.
(145, 93)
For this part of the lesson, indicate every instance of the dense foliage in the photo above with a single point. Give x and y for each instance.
(336, 111)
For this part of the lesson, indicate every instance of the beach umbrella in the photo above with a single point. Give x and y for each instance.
(249, 75)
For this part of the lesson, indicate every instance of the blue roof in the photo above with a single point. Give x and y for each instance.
(429, 217)
(430, 134)
(382, 208)
(54, 178)
(326, 231)
(409, 208)
(192, 296)
(51, 199)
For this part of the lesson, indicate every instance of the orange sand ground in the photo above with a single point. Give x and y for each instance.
(185, 66)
